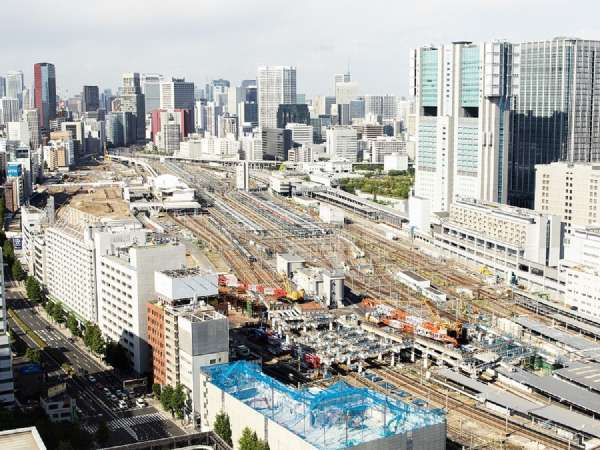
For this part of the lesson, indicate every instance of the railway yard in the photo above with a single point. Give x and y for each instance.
(363, 301)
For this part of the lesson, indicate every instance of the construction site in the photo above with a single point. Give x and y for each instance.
(318, 300)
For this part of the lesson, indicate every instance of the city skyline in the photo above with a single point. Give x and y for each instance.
(223, 41)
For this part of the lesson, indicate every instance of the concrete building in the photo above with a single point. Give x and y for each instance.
(515, 244)
(71, 242)
(341, 143)
(184, 333)
(383, 146)
(381, 108)
(121, 129)
(461, 95)
(346, 91)
(21, 439)
(9, 110)
(395, 161)
(302, 134)
(570, 191)
(132, 101)
(178, 94)
(580, 271)
(7, 386)
(303, 419)
(32, 120)
(276, 85)
(126, 284)
(15, 84)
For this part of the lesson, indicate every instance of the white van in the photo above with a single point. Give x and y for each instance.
(140, 402)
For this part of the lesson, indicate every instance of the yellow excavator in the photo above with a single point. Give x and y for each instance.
(294, 295)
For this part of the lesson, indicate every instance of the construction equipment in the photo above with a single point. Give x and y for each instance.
(382, 313)
(294, 295)
(485, 271)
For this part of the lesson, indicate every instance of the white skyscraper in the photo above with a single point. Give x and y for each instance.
(302, 134)
(9, 110)
(15, 85)
(276, 86)
(342, 143)
(345, 92)
(461, 95)
(178, 94)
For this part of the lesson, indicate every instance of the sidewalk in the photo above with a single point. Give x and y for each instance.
(77, 341)
(188, 428)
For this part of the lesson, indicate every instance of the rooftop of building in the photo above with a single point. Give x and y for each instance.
(21, 439)
(338, 416)
(497, 208)
(187, 272)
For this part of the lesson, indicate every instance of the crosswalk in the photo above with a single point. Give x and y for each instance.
(125, 422)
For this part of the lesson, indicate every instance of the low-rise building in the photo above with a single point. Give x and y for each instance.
(571, 191)
(338, 416)
(581, 270)
(184, 332)
(517, 244)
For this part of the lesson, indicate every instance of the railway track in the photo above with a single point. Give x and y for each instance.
(472, 412)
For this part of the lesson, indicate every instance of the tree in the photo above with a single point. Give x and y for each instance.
(34, 355)
(92, 338)
(17, 271)
(73, 324)
(8, 252)
(156, 390)
(116, 355)
(222, 427)
(58, 313)
(248, 440)
(102, 434)
(34, 290)
(178, 401)
(166, 399)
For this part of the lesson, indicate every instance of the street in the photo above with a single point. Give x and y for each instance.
(99, 393)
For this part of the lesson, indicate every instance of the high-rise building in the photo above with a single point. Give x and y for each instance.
(90, 100)
(555, 111)
(302, 134)
(345, 92)
(276, 143)
(31, 118)
(151, 90)
(45, 92)
(381, 108)
(7, 388)
(342, 143)
(178, 94)
(132, 100)
(461, 95)
(121, 128)
(276, 86)
(9, 110)
(2, 87)
(293, 113)
(570, 191)
(14, 85)
(125, 286)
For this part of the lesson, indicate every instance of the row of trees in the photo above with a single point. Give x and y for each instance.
(248, 440)
(16, 269)
(113, 352)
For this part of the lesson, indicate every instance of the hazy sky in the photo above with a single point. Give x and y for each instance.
(94, 41)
